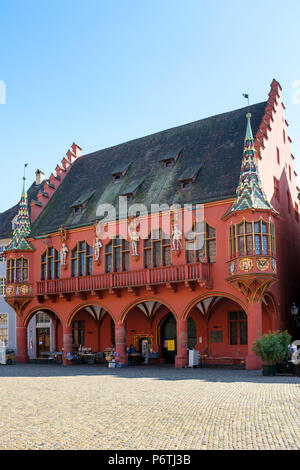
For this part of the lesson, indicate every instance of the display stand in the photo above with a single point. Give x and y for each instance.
(193, 358)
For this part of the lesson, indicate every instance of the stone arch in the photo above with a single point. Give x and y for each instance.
(200, 298)
(83, 306)
(136, 302)
(49, 310)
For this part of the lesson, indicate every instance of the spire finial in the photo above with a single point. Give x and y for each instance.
(24, 180)
(249, 134)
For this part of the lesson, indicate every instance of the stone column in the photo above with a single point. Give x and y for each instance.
(22, 350)
(67, 343)
(254, 313)
(120, 346)
(181, 358)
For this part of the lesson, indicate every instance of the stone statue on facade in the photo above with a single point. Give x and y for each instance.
(97, 248)
(134, 236)
(176, 238)
(63, 254)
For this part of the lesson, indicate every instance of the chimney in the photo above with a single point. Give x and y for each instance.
(39, 176)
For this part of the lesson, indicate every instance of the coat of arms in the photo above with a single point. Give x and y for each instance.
(246, 264)
(262, 264)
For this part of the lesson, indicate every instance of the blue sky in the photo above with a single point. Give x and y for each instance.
(101, 72)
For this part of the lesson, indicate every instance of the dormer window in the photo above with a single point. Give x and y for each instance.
(186, 185)
(129, 196)
(188, 177)
(119, 173)
(117, 178)
(78, 209)
(79, 205)
(131, 189)
(170, 159)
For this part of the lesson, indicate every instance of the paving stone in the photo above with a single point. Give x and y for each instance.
(93, 407)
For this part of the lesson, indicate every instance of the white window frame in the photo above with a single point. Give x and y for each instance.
(5, 325)
(2, 286)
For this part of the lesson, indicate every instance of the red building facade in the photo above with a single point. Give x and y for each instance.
(212, 269)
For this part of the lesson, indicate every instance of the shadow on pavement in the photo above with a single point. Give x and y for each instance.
(224, 374)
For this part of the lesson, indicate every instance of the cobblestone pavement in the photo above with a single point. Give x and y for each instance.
(93, 407)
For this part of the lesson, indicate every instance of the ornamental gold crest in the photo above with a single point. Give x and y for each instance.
(9, 290)
(246, 264)
(263, 264)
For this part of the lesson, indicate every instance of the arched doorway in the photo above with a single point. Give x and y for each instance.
(44, 333)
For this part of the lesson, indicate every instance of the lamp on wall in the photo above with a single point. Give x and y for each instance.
(294, 311)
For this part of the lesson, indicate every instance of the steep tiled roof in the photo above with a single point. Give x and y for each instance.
(215, 144)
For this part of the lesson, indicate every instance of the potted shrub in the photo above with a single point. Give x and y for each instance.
(272, 348)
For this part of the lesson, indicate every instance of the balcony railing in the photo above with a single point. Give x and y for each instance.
(198, 272)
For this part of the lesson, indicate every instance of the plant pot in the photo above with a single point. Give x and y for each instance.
(269, 370)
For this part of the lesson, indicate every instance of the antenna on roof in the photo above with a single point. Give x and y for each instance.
(246, 96)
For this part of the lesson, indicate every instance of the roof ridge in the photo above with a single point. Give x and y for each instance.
(246, 108)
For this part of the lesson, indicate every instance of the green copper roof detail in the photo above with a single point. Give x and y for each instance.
(23, 226)
(249, 193)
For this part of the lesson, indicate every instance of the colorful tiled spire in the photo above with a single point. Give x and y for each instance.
(249, 193)
(23, 226)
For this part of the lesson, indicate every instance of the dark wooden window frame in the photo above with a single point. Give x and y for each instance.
(240, 321)
(124, 248)
(78, 326)
(248, 236)
(149, 245)
(50, 256)
(207, 240)
(76, 259)
(17, 270)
